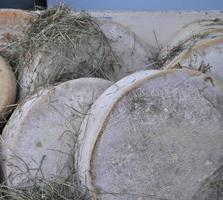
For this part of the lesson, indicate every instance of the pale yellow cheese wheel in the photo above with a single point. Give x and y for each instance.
(12, 24)
(7, 88)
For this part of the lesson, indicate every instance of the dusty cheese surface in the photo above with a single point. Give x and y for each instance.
(160, 140)
(43, 130)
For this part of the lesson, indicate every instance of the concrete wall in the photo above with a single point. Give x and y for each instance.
(164, 24)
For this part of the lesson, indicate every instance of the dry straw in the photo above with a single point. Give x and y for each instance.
(46, 191)
(74, 42)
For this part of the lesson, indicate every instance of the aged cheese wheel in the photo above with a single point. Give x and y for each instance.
(152, 137)
(7, 88)
(38, 141)
(125, 45)
(191, 32)
(12, 24)
(206, 56)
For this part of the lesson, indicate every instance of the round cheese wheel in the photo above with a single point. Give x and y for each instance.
(38, 141)
(7, 88)
(152, 137)
(205, 56)
(48, 67)
(196, 30)
(12, 24)
(128, 48)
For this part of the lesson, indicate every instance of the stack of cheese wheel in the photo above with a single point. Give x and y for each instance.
(12, 25)
(197, 29)
(205, 55)
(7, 88)
(130, 52)
(38, 140)
(198, 46)
(152, 135)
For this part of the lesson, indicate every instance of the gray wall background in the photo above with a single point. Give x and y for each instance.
(136, 5)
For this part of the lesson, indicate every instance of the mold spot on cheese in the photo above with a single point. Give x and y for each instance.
(39, 144)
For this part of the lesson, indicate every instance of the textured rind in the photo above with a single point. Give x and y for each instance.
(45, 125)
(93, 123)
